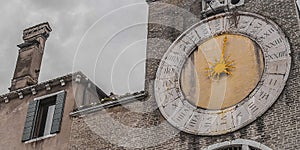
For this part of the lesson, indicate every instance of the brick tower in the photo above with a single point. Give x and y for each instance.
(30, 56)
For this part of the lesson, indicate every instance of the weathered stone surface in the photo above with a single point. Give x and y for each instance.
(278, 128)
(30, 56)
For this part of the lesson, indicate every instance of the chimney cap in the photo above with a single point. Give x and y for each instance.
(40, 29)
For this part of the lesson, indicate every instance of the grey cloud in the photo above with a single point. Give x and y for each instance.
(70, 20)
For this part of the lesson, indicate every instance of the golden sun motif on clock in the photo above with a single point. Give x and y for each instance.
(222, 66)
(222, 71)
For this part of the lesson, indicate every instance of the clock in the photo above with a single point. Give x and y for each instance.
(222, 73)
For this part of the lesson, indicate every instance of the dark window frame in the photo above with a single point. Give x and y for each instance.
(37, 115)
(42, 114)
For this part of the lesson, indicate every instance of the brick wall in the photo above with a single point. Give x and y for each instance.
(141, 125)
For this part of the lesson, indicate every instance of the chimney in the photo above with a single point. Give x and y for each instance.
(30, 56)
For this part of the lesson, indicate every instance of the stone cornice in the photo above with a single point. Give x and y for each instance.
(46, 85)
(99, 106)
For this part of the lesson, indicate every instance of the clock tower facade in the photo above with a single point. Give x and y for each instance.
(177, 27)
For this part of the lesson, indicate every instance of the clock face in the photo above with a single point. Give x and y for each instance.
(207, 86)
(222, 73)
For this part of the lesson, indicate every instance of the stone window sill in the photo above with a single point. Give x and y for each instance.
(40, 138)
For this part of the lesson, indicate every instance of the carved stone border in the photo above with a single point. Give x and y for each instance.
(186, 117)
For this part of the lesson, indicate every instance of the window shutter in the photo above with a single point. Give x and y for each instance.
(58, 112)
(30, 120)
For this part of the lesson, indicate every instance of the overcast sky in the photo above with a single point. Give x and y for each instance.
(105, 39)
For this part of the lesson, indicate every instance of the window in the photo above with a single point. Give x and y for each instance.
(219, 6)
(44, 116)
(238, 144)
(238, 147)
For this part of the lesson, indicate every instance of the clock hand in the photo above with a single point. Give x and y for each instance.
(223, 65)
(224, 47)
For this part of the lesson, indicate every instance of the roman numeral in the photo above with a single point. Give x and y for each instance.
(169, 70)
(252, 107)
(174, 59)
(264, 95)
(194, 36)
(274, 43)
(208, 122)
(168, 83)
(192, 123)
(255, 27)
(223, 120)
(244, 24)
(272, 82)
(216, 25)
(182, 115)
(277, 55)
(259, 25)
(266, 34)
(170, 96)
